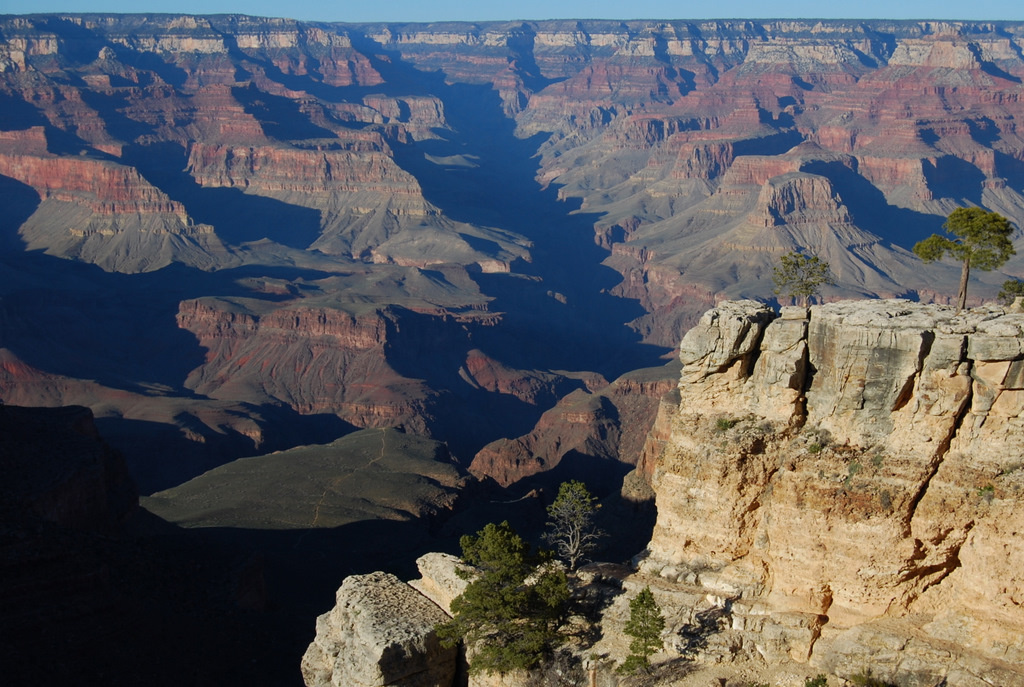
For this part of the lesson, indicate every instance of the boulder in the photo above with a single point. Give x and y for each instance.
(440, 581)
(380, 632)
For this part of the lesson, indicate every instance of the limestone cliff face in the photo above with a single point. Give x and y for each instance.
(848, 478)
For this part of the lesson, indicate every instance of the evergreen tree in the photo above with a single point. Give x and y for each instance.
(1011, 289)
(801, 276)
(510, 613)
(571, 525)
(644, 626)
(982, 241)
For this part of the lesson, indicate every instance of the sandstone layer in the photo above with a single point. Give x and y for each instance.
(847, 478)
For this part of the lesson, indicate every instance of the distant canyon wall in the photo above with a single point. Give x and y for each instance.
(701, 149)
(512, 189)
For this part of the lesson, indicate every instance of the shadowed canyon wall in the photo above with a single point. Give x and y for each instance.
(558, 199)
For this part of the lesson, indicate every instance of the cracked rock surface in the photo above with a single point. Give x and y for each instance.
(380, 632)
(858, 467)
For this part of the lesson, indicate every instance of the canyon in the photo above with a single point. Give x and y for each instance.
(237, 239)
(838, 494)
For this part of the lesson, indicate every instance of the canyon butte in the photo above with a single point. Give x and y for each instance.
(434, 266)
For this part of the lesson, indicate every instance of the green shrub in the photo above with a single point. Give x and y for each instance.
(512, 609)
(817, 681)
(814, 448)
(1012, 288)
(865, 679)
(801, 276)
(1011, 468)
(725, 423)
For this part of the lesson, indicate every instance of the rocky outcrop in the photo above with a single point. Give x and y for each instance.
(326, 360)
(846, 479)
(604, 428)
(104, 188)
(380, 632)
(103, 212)
(439, 578)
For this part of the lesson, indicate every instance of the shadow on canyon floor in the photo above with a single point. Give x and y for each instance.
(561, 314)
(171, 606)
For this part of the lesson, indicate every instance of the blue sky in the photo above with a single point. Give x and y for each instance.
(466, 10)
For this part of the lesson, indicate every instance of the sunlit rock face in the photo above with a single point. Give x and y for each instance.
(380, 632)
(856, 465)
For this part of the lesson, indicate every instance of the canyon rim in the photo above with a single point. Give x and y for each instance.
(458, 260)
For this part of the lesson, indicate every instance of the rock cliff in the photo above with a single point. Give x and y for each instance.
(838, 491)
(57, 468)
(847, 479)
(602, 430)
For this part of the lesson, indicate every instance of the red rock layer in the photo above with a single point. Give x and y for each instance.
(607, 428)
(105, 188)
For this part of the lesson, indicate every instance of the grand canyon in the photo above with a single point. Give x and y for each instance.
(320, 298)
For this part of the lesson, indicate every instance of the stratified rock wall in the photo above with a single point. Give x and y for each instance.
(858, 465)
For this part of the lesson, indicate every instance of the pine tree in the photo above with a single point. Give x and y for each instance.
(571, 525)
(982, 241)
(644, 626)
(801, 276)
(510, 613)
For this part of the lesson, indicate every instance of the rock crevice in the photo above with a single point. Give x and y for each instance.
(850, 463)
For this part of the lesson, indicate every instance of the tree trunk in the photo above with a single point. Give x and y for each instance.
(961, 298)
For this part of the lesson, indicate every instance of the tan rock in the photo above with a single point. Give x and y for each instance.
(850, 484)
(380, 632)
(440, 581)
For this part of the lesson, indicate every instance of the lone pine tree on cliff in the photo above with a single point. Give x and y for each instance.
(801, 276)
(571, 528)
(645, 625)
(981, 240)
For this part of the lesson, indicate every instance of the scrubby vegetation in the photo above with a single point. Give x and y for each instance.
(801, 276)
(510, 614)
